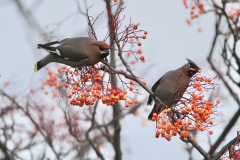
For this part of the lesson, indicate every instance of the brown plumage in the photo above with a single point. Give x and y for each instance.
(172, 85)
(75, 52)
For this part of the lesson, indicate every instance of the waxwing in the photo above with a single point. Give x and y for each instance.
(75, 52)
(171, 86)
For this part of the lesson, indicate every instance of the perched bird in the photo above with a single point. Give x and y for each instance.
(171, 86)
(75, 52)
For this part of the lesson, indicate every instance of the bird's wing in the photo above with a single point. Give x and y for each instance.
(153, 89)
(74, 49)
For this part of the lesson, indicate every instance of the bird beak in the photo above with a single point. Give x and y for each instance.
(197, 69)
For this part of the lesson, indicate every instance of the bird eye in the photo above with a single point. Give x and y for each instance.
(102, 49)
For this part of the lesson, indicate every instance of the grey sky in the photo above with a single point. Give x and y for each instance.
(169, 42)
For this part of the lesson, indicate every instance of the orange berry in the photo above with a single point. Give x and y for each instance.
(154, 118)
(145, 32)
(135, 101)
(144, 83)
(131, 88)
(159, 126)
(144, 37)
(115, 1)
(32, 90)
(164, 122)
(192, 139)
(198, 84)
(200, 5)
(139, 43)
(74, 101)
(237, 154)
(142, 58)
(188, 21)
(52, 78)
(200, 98)
(211, 122)
(54, 95)
(77, 83)
(133, 62)
(131, 40)
(188, 108)
(135, 27)
(70, 72)
(69, 95)
(157, 134)
(73, 91)
(66, 85)
(208, 80)
(194, 128)
(218, 101)
(130, 101)
(58, 86)
(165, 110)
(50, 72)
(131, 81)
(179, 121)
(75, 73)
(189, 122)
(201, 128)
(210, 132)
(193, 7)
(154, 114)
(209, 103)
(89, 89)
(139, 51)
(75, 87)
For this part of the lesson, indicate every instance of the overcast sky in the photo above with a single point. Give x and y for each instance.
(169, 42)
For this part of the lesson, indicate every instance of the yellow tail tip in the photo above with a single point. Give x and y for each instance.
(35, 67)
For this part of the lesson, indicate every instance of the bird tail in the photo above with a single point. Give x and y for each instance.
(37, 66)
(48, 48)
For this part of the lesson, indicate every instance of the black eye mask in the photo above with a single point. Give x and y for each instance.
(102, 49)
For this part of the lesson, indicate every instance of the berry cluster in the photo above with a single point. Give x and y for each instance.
(196, 9)
(192, 112)
(134, 40)
(85, 85)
